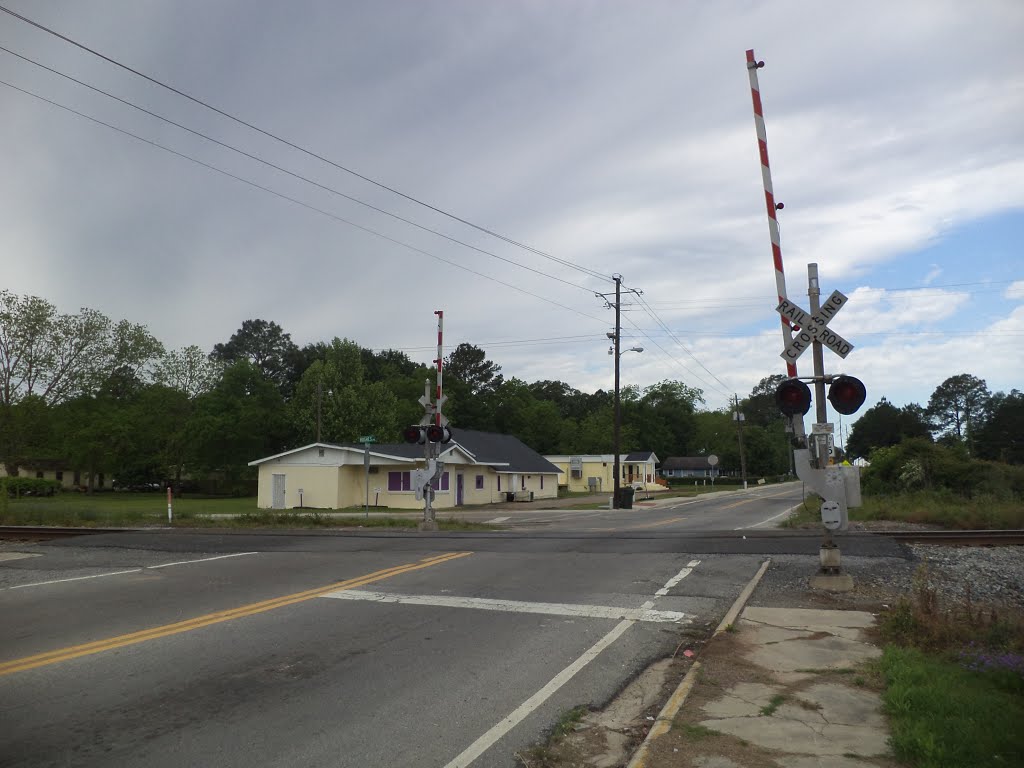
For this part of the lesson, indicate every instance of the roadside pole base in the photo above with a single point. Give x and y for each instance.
(428, 525)
(832, 582)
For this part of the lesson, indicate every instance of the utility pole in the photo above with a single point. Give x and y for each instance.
(616, 351)
(618, 405)
(739, 431)
(319, 404)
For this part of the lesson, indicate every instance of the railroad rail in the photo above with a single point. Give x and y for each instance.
(964, 538)
(45, 532)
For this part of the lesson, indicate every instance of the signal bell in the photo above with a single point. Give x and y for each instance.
(846, 394)
(793, 397)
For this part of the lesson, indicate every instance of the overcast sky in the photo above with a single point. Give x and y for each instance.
(616, 136)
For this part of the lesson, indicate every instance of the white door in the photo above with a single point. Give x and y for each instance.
(278, 492)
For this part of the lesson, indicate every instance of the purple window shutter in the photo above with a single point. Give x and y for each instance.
(444, 481)
(406, 481)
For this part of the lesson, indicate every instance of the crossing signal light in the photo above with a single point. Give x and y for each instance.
(438, 434)
(846, 394)
(793, 397)
(414, 434)
(431, 433)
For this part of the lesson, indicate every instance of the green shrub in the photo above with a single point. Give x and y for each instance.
(920, 465)
(29, 486)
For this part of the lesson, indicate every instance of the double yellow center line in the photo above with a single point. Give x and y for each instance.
(120, 641)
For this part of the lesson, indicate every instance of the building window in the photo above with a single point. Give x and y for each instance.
(444, 482)
(542, 482)
(479, 482)
(99, 481)
(60, 475)
(499, 483)
(78, 477)
(39, 474)
(320, 452)
(523, 482)
(399, 481)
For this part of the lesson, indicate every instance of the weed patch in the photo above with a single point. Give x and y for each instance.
(773, 704)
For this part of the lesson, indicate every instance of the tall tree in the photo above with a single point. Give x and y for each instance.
(883, 425)
(242, 418)
(469, 364)
(265, 345)
(759, 407)
(334, 395)
(1000, 436)
(187, 370)
(956, 405)
(51, 355)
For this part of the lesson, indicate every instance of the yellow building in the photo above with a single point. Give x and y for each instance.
(596, 473)
(58, 470)
(479, 468)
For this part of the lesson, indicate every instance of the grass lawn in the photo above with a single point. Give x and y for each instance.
(113, 510)
(946, 716)
(941, 509)
(953, 673)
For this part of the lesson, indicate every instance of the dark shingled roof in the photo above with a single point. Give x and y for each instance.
(639, 456)
(486, 448)
(685, 462)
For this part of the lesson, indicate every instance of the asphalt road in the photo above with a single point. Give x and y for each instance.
(172, 648)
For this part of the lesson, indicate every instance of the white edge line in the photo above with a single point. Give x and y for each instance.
(74, 578)
(200, 560)
(644, 613)
(773, 517)
(520, 713)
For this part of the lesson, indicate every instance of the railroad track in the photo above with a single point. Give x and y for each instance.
(46, 532)
(966, 538)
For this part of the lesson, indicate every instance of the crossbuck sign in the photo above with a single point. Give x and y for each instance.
(814, 327)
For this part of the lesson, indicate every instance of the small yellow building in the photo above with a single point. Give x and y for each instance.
(596, 473)
(479, 468)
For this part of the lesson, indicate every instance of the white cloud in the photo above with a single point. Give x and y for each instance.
(616, 137)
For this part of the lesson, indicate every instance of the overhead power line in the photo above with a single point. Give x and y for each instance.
(296, 201)
(298, 176)
(672, 335)
(299, 148)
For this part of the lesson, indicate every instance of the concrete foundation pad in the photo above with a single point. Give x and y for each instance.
(832, 761)
(814, 619)
(838, 582)
(825, 653)
(840, 705)
(706, 761)
(816, 723)
(742, 700)
(801, 737)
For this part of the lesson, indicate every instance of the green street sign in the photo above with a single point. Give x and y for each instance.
(367, 439)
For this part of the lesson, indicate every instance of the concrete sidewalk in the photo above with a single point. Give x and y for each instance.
(780, 687)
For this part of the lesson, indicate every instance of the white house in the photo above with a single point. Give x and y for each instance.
(479, 468)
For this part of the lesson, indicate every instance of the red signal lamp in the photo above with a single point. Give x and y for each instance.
(846, 394)
(793, 397)
(438, 434)
(414, 434)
